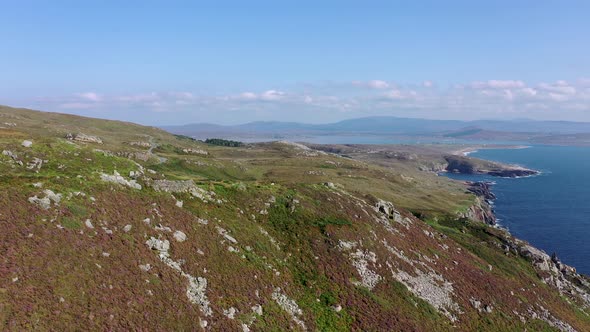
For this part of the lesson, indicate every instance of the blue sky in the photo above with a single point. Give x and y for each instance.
(170, 62)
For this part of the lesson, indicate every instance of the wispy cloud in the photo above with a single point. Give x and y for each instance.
(331, 101)
(498, 84)
(373, 84)
(268, 95)
(90, 96)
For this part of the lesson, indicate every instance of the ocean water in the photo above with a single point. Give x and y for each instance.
(366, 139)
(551, 210)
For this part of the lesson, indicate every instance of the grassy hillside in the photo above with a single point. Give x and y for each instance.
(151, 231)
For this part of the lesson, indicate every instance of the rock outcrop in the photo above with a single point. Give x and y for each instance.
(187, 186)
(482, 209)
(466, 165)
(512, 172)
(45, 202)
(195, 151)
(80, 137)
(481, 189)
(117, 178)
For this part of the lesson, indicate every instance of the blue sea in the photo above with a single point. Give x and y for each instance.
(551, 210)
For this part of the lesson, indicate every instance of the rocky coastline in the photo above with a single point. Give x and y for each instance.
(466, 165)
(482, 210)
(552, 271)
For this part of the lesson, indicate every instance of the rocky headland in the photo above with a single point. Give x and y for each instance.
(467, 165)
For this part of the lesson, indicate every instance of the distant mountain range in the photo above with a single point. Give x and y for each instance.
(387, 125)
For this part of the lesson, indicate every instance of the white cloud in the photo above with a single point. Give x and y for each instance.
(90, 96)
(139, 98)
(268, 95)
(498, 84)
(559, 87)
(529, 91)
(394, 94)
(373, 84)
(272, 95)
(248, 96)
(481, 99)
(378, 84)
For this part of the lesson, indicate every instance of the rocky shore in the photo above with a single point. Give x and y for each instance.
(513, 172)
(482, 209)
(552, 271)
(481, 189)
(466, 165)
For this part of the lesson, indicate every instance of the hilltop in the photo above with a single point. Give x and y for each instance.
(109, 225)
(405, 129)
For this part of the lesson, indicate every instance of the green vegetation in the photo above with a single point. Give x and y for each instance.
(185, 138)
(223, 142)
(267, 218)
(325, 221)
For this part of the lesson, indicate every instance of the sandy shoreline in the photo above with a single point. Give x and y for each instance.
(472, 149)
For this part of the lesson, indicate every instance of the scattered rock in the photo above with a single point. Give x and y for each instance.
(432, 288)
(80, 137)
(289, 306)
(346, 245)
(360, 260)
(179, 236)
(226, 235)
(13, 156)
(145, 267)
(35, 164)
(161, 228)
(187, 186)
(257, 309)
(197, 285)
(230, 313)
(195, 151)
(475, 303)
(196, 293)
(141, 144)
(117, 178)
(127, 228)
(27, 143)
(162, 246)
(45, 202)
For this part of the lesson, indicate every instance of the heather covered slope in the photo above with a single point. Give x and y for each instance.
(139, 229)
